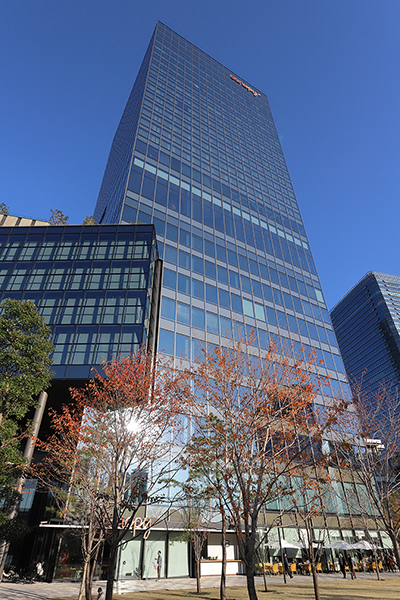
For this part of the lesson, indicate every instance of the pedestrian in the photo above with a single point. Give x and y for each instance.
(342, 564)
(351, 567)
(286, 566)
(100, 594)
(39, 570)
(391, 563)
(159, 565)
(308, 567)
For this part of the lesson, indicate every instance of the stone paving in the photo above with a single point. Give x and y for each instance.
(58, 589)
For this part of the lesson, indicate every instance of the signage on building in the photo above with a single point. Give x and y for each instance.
(246, 87)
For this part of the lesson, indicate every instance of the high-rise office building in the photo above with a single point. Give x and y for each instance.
(367, 326)
(197, 154)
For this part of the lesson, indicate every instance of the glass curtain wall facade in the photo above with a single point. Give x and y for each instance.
(367, 326)
(94, 286)
(197, 154)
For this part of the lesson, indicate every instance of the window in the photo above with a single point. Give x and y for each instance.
(183, 313)
(168, 308)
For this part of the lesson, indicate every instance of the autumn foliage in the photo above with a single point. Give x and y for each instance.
(254, 429)
(103, 453)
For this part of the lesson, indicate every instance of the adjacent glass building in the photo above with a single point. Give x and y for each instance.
(197, 154)
(98, 288)
(367, 326)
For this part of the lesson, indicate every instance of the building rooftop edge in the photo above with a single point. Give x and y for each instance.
(366, 276)
(209, 55)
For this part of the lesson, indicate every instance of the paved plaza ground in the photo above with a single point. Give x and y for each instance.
(333, 587)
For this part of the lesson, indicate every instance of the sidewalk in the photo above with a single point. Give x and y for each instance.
(58, 589)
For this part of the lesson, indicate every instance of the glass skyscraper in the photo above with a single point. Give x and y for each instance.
(197, 154)
(367, 325)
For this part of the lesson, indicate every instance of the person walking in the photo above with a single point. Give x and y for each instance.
(391, 563)
(39, 570)
(351, 567)
(100, 594)
(159, 565)
(286, 566)
(342, 564)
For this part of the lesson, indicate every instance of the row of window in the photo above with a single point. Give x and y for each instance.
(86, 354)
(187, 315)
(80, 276)
(16, 249)
(185, 285)
(191, 348)
(203, 267)
(66, 315)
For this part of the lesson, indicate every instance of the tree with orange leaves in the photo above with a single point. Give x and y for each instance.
(112, 448)
(254, 428)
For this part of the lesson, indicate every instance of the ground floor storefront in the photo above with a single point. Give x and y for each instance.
(59, 549)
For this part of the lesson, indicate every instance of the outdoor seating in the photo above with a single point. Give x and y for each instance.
(280, 568)
(266, 567)
(293, 568)
(275, 569)
(319, 568)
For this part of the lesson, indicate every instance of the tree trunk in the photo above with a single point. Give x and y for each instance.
(197, 575)
(251, 588)
(111, 573)
(84, 577)
(264, 577)
(376, 565)
(315, 579)
(223, 572)
(89, 577)
(396, 548)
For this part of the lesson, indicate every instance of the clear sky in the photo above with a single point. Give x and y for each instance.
(330, 68)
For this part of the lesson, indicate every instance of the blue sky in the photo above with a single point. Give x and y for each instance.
(329, 67)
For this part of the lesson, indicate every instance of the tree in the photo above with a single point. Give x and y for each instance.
(89, 220)
(67, 470)
(58, 217)
(4, 210)
(254, 426)
(195, 516)
(369, 442)
(310, 491)
(25, 350)
(113, 450)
